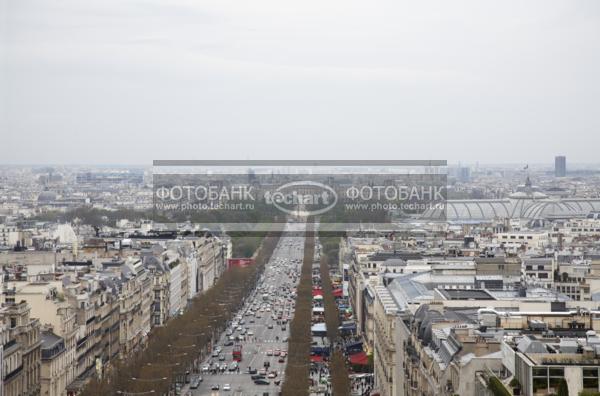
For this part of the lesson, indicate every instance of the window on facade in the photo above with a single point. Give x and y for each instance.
(540, 383)
(590, 378)
(556, 372)
(539, 371)
(590, 372)
(554, 382)
(590, 383)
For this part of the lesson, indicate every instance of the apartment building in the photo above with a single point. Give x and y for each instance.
(542, 362)
(384, 359)
(22, 352)
(56, 317)
(160, 288)
(135, 297)
(540, 270)
(55, 363)
(524, 240)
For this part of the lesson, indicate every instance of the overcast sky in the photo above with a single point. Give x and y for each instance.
(122, 81)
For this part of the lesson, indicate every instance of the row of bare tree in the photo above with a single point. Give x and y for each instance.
(337, 365)
(176, 348)
(296, 381)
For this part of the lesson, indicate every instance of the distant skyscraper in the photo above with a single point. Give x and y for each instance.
(560, 166)
(464, 174)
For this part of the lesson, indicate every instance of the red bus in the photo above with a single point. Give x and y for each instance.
(237, 352)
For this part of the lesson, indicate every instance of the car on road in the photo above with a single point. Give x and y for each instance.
(270, 352)
(257, 377)
(228, 343)
(226, 387)
(272, 374)
(261, 382)
(215, 353)
(214, 387)
(221, 357)
(233, 366)
(270, 326)
(281, 359)
(251, 371)
(195, 382)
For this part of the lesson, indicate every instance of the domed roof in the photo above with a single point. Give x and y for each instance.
(528, 195)
(560, 208)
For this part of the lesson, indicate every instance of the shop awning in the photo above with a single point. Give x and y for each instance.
(359, 359)
(316, 358)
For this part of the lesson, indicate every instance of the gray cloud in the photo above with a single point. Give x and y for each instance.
(130, 81)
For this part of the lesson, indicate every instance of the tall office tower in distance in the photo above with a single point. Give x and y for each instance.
(560, 166)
